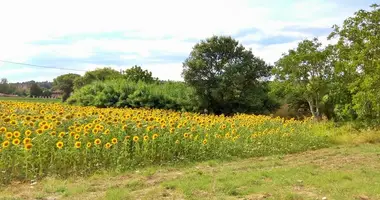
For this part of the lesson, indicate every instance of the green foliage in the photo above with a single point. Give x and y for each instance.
(136, 74)
(305, 73)
(122, 93)
(227, 77)
(66, 84)
(5, 87)
(35, 90)
(99, 74)
(359, 62)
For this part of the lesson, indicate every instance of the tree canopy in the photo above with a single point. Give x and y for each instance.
(136, 73)
(305, 72)
(227, 77)
(66, 84)
(100, 74)
(358, 62)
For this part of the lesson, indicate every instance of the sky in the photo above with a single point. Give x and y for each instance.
(157, 35)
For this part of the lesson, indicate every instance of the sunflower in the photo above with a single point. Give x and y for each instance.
(95, 131)
(76, 136)
(53, 133)
(124, 127)
(71, 128)
(88, 144)
(3, 129)
(108, 145)
(61, 134)
(72, 134)
(154, 136)
(5, 144)
(58, 123)
(26, 140)
(77, 145)
(107, 132)
(186, 135)
(59, 145)
(127, 137)
(146, 138)
(172, 130)
(114, 140)
(78, 129)
(13, 122)
(177, 141)
(139, 125)
(28, 146)
(28, 118)
(31, 124)
(97, 142)
(135, 138)
(204, 141)
(39, 131)
(9, 135)
(16, 141)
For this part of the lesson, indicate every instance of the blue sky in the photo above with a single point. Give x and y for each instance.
(158, 35)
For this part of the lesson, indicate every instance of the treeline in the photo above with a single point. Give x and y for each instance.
(24, 89)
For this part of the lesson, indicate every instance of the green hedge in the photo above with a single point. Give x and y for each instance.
(122, 93)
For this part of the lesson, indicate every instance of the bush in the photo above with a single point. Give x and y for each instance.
(122, 93)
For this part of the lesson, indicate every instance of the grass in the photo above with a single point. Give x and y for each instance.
(27, 99)
(342, 172)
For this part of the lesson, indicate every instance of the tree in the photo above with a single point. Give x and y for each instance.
(358, 64)
(227, 77)
(4, 87)
(66, 84)
(305, 72)
(100, 74)
(136, 73)
(35, 90)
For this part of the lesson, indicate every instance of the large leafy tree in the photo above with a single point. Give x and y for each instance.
(66, 84)
(226, 76)
(136, 73)
(305, 73)
(358, 63)
(100, 74)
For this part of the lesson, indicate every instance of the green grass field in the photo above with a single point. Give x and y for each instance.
(340, 172)
(27, 99)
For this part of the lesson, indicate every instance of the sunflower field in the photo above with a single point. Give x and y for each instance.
(42, 139)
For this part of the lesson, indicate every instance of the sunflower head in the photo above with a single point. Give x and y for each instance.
(77, 145)
(16, 141)
(5, 144)
(59, 145)
(9, 135)
(114, 141)
(28, 146)
(97, 141)
(27, 140)
(108, 145)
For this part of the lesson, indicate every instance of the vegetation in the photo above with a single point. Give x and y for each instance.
(65, 83)
(100, 74)
(334, 173)
(122, 121)
(136, 74)
(122, 93)
(55, 139)
(227, 78)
